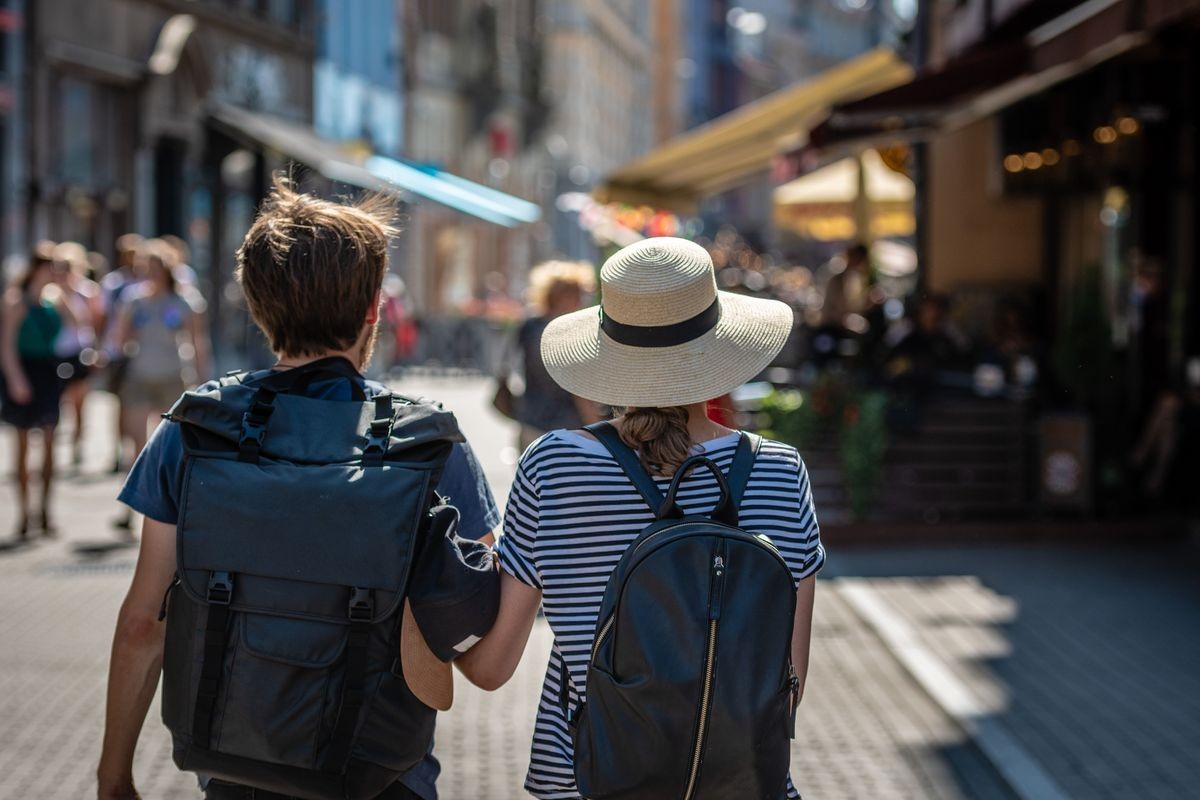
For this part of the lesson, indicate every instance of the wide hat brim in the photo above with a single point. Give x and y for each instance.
(429, 678)
(586, 362)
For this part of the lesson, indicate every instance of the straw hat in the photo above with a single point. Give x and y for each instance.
(663, 335)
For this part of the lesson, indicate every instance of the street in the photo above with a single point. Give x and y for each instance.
(927, 680)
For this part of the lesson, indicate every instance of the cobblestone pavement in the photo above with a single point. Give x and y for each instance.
(866, 729)
(1086, 657)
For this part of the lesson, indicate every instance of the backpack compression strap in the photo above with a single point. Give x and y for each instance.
(629, 463)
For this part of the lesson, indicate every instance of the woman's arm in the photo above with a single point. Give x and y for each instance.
(200, 346)
(491, 662)
(125, 333)
(802, 629)
(10, 362)
(64, 309)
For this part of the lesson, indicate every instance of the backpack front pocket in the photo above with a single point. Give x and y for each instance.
(281, 689)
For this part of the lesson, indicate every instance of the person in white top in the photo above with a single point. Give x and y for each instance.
(76, 344)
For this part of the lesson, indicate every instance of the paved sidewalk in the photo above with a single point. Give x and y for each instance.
(866, 729)
(1080, 663)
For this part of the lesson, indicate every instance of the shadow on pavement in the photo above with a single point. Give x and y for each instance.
(99, 548)
(15, 546)
(1083, 655)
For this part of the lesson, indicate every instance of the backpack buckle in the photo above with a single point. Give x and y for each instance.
(253, 433)
(362, 607)
(254, 429)
(220, 588)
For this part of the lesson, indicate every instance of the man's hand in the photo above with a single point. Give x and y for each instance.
(136, 660)
(121, 789)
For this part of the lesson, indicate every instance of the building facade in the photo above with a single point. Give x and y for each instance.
(117, 126)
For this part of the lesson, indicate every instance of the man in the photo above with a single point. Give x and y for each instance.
(312, 272)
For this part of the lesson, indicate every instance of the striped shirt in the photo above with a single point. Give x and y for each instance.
(571, 515)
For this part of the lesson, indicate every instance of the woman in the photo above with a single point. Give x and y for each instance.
(162, 335)
(76, 345)
(33, 318)
(555, 288)
(664, 343)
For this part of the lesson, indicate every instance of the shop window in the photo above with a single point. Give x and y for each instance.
(87, 145)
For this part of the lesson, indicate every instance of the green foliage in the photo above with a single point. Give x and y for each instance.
(863, 444)
(835, 408)
(790, 416)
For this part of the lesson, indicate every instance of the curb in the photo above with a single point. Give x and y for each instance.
(1016, 766)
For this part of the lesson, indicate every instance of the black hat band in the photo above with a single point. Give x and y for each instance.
(662, 335)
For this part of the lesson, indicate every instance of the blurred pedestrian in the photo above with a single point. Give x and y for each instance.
(33, 318)
(663, 343)
(185, 274)
(926, 346)
(399, 322)
(1172, 428)
(162, 336)
(76, 345)
(555, 288)
(846, 303)
(116, 288)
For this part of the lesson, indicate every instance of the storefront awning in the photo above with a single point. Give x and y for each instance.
(347, 164)
(296, 141)
(454, 192)
(725, 152)
(844, 181)
(979, 83)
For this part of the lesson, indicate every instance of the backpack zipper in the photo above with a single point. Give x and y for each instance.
(608, 623)
(162, 610)
(716, 586)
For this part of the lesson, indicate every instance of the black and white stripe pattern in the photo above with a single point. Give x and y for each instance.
(570, 516)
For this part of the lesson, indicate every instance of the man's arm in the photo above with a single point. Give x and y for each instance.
(137, 652)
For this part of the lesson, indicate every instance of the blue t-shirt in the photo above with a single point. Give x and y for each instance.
(155, 483)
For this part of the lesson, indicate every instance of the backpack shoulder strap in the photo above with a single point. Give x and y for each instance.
(743, 462)
(629, 463)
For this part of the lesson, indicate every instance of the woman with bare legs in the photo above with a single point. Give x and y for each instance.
(33, 317)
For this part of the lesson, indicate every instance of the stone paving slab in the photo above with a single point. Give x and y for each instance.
(1087, 657)
(866, 730)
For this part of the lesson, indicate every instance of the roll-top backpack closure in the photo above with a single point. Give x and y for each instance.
(273, 421)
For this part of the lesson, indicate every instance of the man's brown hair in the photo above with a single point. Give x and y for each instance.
(310, 268)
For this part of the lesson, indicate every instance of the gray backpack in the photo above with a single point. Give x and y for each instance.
(299, 521)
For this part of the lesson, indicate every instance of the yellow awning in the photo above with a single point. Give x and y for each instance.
(725, 152)
(841, 182)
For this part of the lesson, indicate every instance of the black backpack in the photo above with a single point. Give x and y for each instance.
(299, 521)
(691, 692)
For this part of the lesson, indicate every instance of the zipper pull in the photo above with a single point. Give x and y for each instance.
(793, 700)
(716, 587)
(162, 610)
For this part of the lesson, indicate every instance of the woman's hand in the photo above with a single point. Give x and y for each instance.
(19, 389)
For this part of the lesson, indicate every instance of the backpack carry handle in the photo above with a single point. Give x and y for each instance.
(724, 511)
(296, 380)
